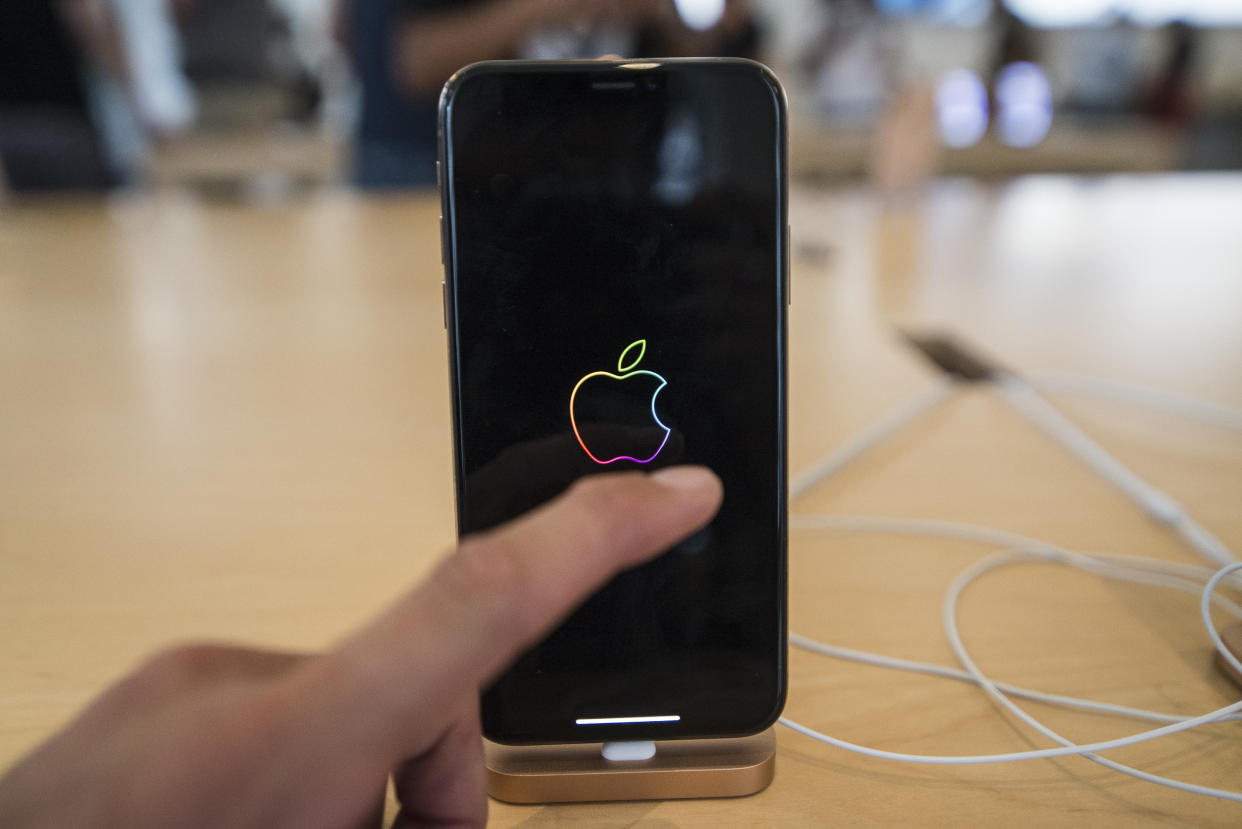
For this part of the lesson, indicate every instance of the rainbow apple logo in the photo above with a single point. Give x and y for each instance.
(625, 365)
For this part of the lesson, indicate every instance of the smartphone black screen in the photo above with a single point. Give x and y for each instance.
(616, 301)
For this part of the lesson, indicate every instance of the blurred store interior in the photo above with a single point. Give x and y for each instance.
(237, 99)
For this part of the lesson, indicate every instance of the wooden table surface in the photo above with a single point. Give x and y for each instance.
(231, 422)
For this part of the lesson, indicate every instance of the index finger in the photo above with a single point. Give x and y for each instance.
(504, 589)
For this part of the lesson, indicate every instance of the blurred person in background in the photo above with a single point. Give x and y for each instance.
(852, 62)
(322, 84)
(404, 51)
(1016, 42)
(1170, 98)
(1105, 67)
(48, 140)
(140, 94)
(84, 86)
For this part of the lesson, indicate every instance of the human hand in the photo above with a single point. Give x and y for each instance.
(210, 735)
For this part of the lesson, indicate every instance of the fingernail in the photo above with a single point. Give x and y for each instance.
(684, 477)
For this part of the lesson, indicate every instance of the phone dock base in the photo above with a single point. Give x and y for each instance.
(576, 773)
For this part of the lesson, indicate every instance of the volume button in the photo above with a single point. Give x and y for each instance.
(788, 268)
(444, 302)
(442, 239)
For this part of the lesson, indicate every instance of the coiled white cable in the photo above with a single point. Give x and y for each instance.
(1020, 548)
(1186, 577)
(949, 618)
(1047, 553)
(946, 672)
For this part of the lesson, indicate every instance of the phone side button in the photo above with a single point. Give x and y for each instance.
(441, 238)
(444, 302)
(788, 268)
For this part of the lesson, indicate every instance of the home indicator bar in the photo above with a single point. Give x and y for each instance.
(622, 720)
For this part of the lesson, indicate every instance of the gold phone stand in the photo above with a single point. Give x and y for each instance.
(576, 773)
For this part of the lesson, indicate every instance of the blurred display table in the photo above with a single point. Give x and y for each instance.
(231, 422)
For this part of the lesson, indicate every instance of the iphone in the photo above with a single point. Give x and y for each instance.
(615, 244)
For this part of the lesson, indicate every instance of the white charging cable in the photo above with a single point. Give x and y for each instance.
(1020, 548)
(1159, 505)
(888, 423)
(1186, 577)
(949, 619)
(1088, 750)
(1058, 382)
